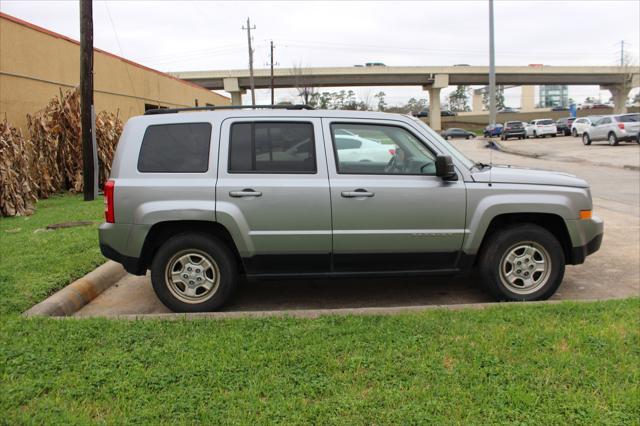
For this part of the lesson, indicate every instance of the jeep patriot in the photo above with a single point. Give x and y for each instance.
(203, 197)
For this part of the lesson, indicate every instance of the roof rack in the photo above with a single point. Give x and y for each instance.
(214, 108)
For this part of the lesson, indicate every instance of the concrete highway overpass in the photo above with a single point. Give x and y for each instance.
(618, 80)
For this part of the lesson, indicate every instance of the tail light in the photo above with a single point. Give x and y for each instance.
(392, 151)
(621, 126)
(109, 213)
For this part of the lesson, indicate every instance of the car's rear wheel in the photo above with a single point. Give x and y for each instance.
(574, 132)
(613, 139)
(553, 135)
(535, 135)
(522, 263)
(193, 273)
(586, 140)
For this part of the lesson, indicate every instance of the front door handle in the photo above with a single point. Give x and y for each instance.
(247, 192)
(357, 193)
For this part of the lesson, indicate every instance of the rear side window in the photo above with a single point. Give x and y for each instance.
(175, 148)
(272, 147)
(631, 118)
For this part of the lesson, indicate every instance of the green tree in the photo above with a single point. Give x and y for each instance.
(499, 98)
(459, 99)
(381, 102)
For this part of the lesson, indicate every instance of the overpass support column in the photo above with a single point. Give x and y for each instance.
(231, 85)
(527, 98)
(439, 81)
(620, 93)
(476, 101)
(434, 109)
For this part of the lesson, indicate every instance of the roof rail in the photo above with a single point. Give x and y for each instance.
(214, 108)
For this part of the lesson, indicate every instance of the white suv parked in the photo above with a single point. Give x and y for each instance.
(580, 124)
(541, 128)
(614, 129)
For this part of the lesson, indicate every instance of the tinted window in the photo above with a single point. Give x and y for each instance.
(605, 120)
(175, 148)
(514, 124)
(631, 118)
(272, 147)
(545, 122)
(384, 149)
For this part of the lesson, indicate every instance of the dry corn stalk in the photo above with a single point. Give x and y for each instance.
(17, 189)
(51, 160)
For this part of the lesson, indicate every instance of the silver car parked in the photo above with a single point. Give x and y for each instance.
(614, 129)
(201, 198)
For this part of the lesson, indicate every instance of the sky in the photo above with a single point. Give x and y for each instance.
(208, 35)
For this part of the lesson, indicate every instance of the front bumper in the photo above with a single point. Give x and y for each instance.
(579, 254)
(586, 236)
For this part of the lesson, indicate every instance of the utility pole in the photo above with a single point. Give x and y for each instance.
(621, 53)
(253, 90)
(492, 70)
(272, 89)
(86, 99)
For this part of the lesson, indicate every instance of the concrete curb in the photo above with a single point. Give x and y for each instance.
(80, 292)
(500, 147)
(317, 313)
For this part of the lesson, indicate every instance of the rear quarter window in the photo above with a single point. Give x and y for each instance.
(175, 148)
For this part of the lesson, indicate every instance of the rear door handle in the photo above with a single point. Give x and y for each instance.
(357, 193)
(247, 192)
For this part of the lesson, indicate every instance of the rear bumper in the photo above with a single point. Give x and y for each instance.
(131, 264)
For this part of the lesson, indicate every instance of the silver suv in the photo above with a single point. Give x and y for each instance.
(614, 129)
(202, 198)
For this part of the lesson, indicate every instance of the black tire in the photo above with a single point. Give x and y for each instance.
(613, 139)
(586, 140)
(553, 135)
(535, 135)
(184, 243)
(501, 243)
(469, 136)
(574, 132)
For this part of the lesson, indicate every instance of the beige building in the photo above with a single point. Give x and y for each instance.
(35, 64)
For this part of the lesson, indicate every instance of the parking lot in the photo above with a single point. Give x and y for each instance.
(612, 272)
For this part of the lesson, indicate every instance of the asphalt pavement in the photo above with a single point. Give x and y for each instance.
(612, 272)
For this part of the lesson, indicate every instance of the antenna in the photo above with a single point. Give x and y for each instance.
(491, 164)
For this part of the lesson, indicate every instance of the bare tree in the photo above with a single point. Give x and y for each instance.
(302, 84)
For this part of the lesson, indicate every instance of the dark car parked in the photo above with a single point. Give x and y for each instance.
(564, 125)
(455, 132)
(490, 130)
(443, 113)
(513, 129)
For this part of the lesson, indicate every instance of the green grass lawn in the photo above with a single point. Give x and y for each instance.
(568, 363)
(34, 262)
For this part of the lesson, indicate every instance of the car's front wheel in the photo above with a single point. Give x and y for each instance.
(574, 132)
(193, 273)
(522, 263)
(586, 140)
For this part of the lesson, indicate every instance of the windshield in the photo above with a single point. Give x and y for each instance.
(454, 152)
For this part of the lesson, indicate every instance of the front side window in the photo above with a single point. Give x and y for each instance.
(272, 147)
(175, 148)
(379, 149)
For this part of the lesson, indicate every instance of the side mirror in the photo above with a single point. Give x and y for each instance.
(444, 168)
